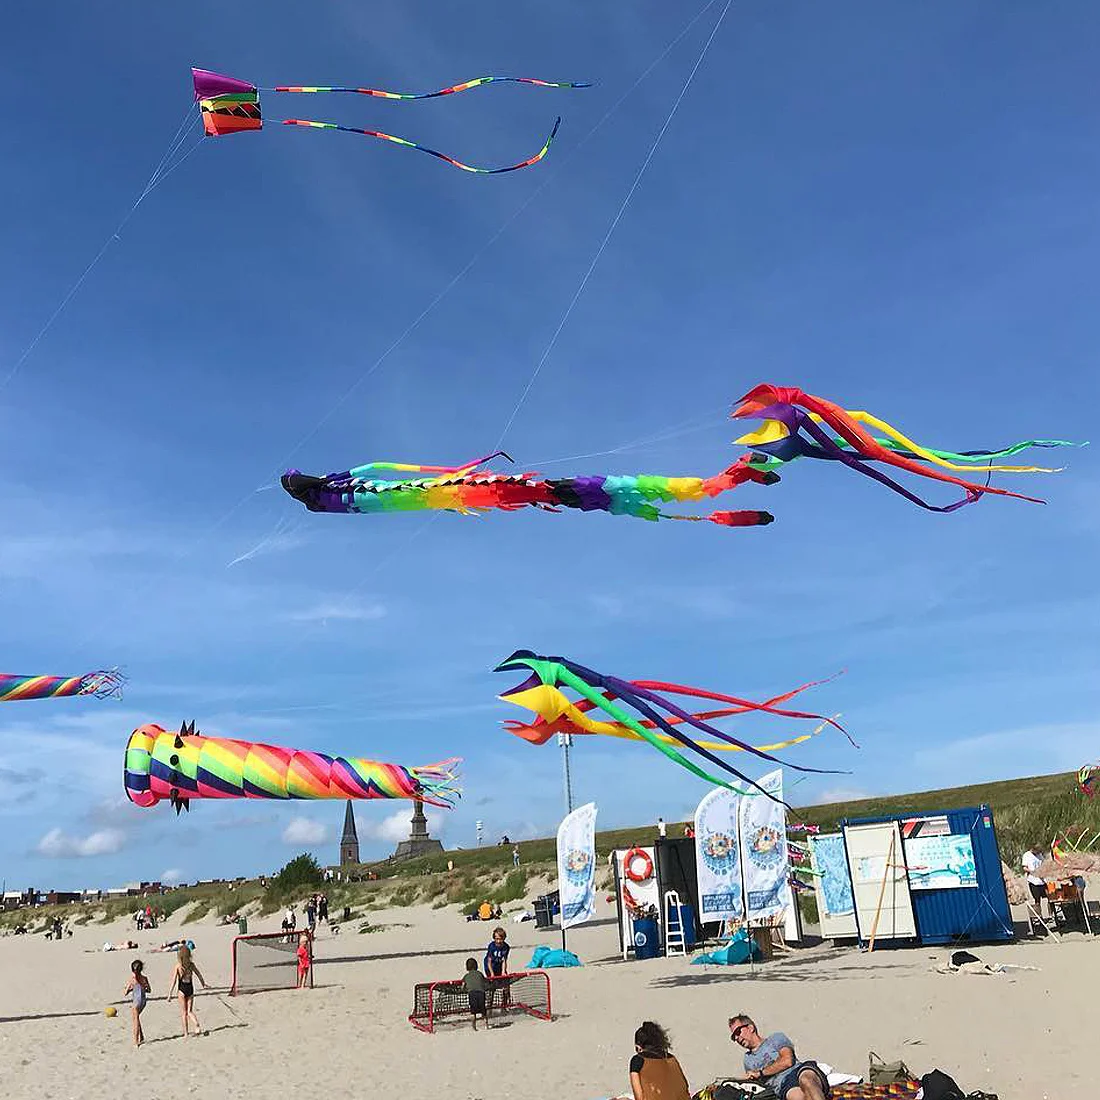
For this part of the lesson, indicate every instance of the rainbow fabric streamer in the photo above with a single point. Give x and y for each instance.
(479, 170)
(231, 106)
(102, 685)
(461, 489)
(465, 86)
(186, 765)
(793, 429)
(541, 692)
(1088, 779)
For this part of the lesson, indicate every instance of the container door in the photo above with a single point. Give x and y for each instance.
(880, 886)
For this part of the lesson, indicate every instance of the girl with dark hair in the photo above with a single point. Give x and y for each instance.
(654, 1072)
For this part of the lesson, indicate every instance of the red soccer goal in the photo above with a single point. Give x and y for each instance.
(268, 960)
(441, 1002)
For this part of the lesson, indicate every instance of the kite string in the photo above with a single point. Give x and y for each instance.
(157, 175)
(611, 229)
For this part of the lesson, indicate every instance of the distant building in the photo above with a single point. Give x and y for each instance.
(349, 840)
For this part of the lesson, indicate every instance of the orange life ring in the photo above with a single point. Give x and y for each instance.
(631, 858)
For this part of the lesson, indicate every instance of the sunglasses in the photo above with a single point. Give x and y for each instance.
(737, 1031)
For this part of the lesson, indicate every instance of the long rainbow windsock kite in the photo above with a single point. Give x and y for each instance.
(102, 685)
(178, 767)
(463, 489)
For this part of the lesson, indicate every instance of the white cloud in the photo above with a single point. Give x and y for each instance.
(59, 845)
(304, 830)
(396, 826)
(339, 612)
(172, 876)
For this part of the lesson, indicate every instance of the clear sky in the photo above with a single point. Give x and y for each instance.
(892, 205)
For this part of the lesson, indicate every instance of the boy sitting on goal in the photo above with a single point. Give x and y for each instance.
(474, 981)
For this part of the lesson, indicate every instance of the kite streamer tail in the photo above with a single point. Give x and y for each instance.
(103, 685)
(431, 152)
(465, 86)
(438, 783)
(727, 519)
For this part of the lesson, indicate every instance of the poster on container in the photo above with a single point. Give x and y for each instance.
(831, 863)
(764, 860)
(577, 866)
(718, 857)
(941, 862)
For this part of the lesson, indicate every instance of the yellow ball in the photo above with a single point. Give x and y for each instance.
(110, 1011)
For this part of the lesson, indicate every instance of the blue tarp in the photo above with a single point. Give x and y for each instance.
(546, 957)
(739, 950)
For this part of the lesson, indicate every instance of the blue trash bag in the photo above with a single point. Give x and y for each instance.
(740, 949)
(546, 957)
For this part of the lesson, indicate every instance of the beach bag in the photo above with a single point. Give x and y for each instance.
(936, 1085)
(886, 1073)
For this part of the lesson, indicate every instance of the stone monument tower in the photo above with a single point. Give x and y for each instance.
(349, 841)
(419, 843)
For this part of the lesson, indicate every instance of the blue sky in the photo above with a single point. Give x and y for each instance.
(895, 207)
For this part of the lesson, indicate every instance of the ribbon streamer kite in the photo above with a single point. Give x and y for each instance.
(186, 765)
(795, 425)
(102, 685)
(462, 489)
(231, 106)
(541, 692)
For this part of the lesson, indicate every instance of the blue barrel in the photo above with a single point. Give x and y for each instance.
(687, 923)
(646, 943)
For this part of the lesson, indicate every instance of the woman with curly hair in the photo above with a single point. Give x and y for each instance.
(654, 1072)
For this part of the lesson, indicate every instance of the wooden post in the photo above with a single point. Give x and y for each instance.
(882, 892)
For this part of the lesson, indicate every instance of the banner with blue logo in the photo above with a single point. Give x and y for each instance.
(764, 859)
(717, 857)
(577, 866)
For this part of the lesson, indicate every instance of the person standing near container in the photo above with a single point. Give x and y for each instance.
(1032, 860)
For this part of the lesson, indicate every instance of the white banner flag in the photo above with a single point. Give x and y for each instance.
(764, 857)
(577, 866)
(717, 858)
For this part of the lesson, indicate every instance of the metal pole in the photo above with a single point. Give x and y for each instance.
(566, 742)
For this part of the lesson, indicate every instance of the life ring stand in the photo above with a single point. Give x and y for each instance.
(631, 858)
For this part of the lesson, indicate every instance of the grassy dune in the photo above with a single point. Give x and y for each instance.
(1025, 811)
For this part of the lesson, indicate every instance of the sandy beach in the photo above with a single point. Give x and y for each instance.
(1022, 1034)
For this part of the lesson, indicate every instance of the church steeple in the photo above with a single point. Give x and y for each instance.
(349, 841)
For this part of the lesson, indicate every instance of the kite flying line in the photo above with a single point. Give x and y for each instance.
(160, 172)
(611, 229)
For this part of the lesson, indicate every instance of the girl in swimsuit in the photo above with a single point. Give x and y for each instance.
(137, 988)
(184, 979)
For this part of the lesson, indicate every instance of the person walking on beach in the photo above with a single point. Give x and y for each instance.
(662, 830)
(311, 912)
(655, 1074)
(183, 979)
(515, 855)
(772, 1062)
(322, 909)
(138, 989)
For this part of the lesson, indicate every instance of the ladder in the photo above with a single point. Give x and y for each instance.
(674, 928)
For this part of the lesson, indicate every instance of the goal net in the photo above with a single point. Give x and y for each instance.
(527, 992)
(267, 960)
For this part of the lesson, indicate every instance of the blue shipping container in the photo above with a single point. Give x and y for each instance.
(968, 914)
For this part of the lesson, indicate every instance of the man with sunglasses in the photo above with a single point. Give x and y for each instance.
(772, 1062)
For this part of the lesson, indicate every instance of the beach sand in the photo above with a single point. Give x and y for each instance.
(1023, 1034)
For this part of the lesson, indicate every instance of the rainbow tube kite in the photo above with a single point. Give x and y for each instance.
(102, 685)
(793, 428)
(230, 106)
(461, 489)
(541, 692)
(186, 765)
